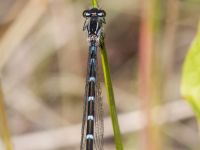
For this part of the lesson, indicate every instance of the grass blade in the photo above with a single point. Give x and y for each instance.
(110, 95)
(109, 90)
(94, 3)
(4, 129)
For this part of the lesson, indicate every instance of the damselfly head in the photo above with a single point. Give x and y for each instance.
(95, 18)
(94, 12)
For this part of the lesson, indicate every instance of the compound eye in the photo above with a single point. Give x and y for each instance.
(101, 13)
(86, 13)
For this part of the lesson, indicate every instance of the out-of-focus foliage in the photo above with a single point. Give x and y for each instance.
(43, 53)
(190, 88)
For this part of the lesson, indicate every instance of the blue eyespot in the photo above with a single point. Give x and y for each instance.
(86, 13)
(101, 13)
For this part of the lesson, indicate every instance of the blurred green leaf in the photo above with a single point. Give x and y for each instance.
(190, 86)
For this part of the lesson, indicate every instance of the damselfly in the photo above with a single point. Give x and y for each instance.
(92, 125)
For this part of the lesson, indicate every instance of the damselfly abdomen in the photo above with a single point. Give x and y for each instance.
(92, 125)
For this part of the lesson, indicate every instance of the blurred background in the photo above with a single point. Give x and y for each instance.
(43, 58)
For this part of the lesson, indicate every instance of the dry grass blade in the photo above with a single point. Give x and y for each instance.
(62, 137)
(149, 72)
(15, 34)
(4, 128)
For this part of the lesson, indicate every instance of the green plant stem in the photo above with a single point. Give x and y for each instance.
(94, 4)
(110, 95)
